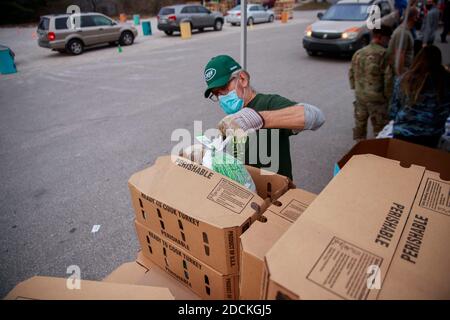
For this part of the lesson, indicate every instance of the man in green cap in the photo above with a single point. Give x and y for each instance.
(257, 114)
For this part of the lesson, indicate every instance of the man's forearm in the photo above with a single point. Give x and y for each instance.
(297, 118)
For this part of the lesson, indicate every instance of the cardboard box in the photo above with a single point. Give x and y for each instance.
(143, 272)
(262, 235)
(377, 231)
(200, 210)
(48, 288)
(405, 152)
(202, 279)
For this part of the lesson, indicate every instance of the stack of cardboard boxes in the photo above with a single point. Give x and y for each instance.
(262, 235)
(284, 6)
(189, 219)
(379, 230)
(213, 5)
(221, 6)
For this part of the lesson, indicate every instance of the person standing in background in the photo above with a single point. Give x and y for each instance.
(446, 21)
(401, 46)
(369, 79)
(430, 23)
(420, 102)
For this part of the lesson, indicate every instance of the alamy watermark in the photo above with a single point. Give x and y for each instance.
(374, 19)
(374, 277)
(74, 280)
(250, 148)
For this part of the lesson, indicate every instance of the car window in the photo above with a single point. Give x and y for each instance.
(347, 12)
(166, 11)
(202, 9)
(61, 23)
(44, 23)
(260, 8)
(253, 8)
(238, 7)
(101, 21)
(87, 21)
(189, 9)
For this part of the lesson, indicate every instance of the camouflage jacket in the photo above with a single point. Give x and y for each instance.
(426, 117)
(369, 74)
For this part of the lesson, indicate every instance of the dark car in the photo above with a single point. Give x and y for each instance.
(199, 17)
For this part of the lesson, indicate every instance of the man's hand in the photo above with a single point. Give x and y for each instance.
(241, 122)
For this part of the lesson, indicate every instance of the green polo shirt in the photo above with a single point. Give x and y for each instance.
(269, 102)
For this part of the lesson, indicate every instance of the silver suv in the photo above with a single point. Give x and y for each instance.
(343, 28)
(169, 18)
(58, 32)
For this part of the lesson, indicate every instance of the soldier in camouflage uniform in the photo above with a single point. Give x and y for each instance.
(371, 82)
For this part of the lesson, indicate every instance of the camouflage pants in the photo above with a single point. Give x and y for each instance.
(378, 113)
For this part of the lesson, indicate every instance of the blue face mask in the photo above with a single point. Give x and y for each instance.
(231, 103)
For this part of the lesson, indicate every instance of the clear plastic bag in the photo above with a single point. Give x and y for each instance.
(216, 159)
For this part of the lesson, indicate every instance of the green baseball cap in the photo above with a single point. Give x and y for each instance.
(218, 72)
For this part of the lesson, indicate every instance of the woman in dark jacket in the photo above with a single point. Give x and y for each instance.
(420, 102)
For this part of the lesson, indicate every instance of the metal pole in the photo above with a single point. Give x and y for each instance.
(244, 34)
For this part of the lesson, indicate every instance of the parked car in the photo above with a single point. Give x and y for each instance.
(57, 32)
(255, 13)
(169, 18)
(342, 28)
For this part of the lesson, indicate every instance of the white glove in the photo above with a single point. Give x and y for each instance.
(246, 119)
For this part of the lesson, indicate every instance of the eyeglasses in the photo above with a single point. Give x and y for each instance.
(219, 91)
(213, 97)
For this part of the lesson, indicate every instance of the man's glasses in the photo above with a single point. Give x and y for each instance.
(214, 96)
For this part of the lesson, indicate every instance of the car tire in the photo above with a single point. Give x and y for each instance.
(126, 38)
(168, 32)
(271, 18)
(250, 21)
(233, 24)
(75, 47)
(311, 53)
(218, 24)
